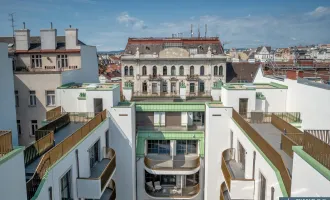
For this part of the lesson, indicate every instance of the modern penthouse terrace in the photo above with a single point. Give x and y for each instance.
(89, 86)
(253, 86)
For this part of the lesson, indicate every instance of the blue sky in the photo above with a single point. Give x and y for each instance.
(108, 23)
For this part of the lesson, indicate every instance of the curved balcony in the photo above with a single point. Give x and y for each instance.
(173, 192)
(234, 176)
(224, 194)
(166, 164)
(110, 191)
(94, 186)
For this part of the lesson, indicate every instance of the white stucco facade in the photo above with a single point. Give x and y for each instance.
(7, 97)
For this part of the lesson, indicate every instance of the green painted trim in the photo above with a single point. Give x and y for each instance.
(170, 103)
(312, 162)
(279, 86)
(230, 86)
(11, 154)
(215, 88)
(59, 160)
(168, 135)
(124, 104)
(81, 98)
(278, 175)
(170, 108)
(66, 86)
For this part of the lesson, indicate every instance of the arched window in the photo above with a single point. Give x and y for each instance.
(220, 71)
(181, 71)
(165, 71)
(201, 71)
(215, 71)
(126, 71)
(131, 71)
(173, 70)
(144, 70)
(192, 70)
(154, 71)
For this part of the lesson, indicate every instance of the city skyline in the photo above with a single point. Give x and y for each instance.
(108, 25)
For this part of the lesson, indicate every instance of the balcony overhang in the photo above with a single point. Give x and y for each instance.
(94, 186)
(172, 165)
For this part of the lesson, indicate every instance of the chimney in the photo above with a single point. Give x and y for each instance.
(48, 38)
(71, 38)
(22, 38)
(294, 74)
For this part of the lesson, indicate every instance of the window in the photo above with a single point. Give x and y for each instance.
(164, 86)
(192, 180)
(201, 71)
(144, 87)
(94, 154)
(62, 61)
(34, 126)
(19, 130)
(220, 71)
(192, 72)
(131, 71)
(159, 146)
(32, 99)
(181, 71)
(126, 70)
(173, 87)
(16, 99)
(36, 61)
(262, 187)
(186, 146)
(215, 71)
(50, 98)
(165, 71)
(173, 71)
(66, 186)
(144, 70)
(201, 86)
(192, 88)
(154, 71)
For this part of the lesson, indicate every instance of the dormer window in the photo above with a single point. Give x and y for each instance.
(36, 61)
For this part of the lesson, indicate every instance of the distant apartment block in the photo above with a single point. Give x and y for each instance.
(40, 65)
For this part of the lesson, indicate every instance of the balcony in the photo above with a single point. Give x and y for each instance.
(46, 68)
(194, 127)
(94, 186)
(172, 192)
(110, 192)
(234, 174)
(224, 194)
(166, 164)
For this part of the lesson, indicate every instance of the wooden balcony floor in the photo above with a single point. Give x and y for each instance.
(59, 136)
(99, 167)
(273, 136)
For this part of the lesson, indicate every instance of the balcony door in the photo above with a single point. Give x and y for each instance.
(243, 104)
(241, 155)
(154, 88)
(262, 187)
(94, 154)
(98, 105)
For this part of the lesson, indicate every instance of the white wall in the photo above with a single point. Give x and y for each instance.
(68, 99)
(12, 177)
(122, 139)
(261, 165)
(69, 162)
(7, 97)
(216, 141)
(88, 73)
(275, 99)
(106, 96)
(306, 181)
(231, 98)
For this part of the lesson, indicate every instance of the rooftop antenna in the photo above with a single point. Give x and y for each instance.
(205, 30)
(23, 25)
(12, 20)
(70, 25)
(191, 30)
(51, 25)
(199, 33)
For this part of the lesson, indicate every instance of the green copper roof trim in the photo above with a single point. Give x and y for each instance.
(169, 107)
(66, 86)
(43, 180)
(11, 154)
(230, 86)
(168, 135)
(124, 104)
(278, 175)
(279, 86)
(310, 160)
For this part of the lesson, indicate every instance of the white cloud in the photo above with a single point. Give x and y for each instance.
(125, 18)
(320, 11)
(293, 38)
